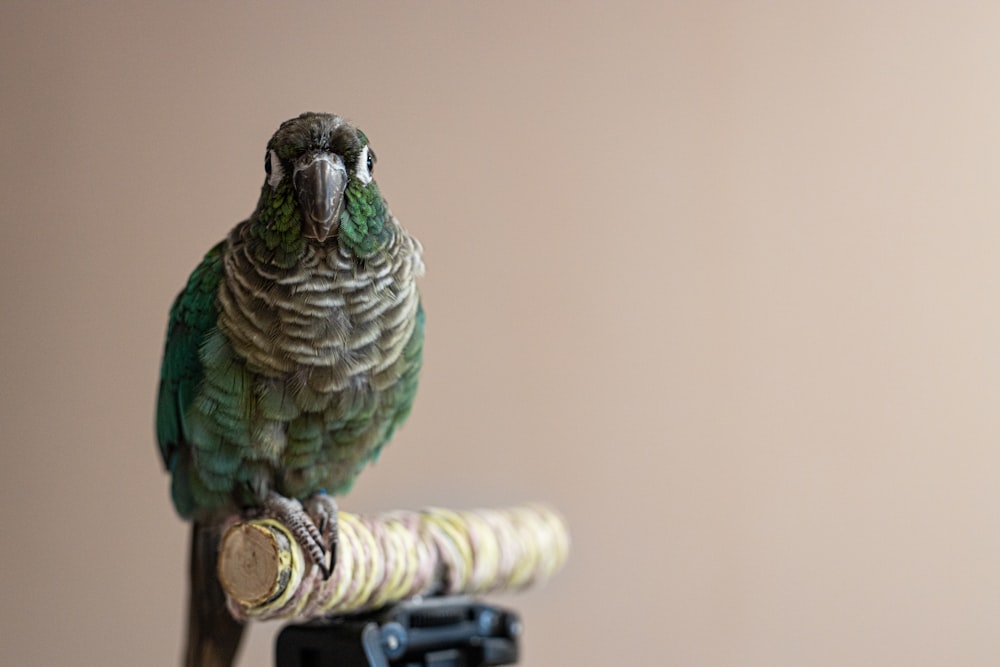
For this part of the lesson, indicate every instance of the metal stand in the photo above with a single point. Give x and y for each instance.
(437, 632)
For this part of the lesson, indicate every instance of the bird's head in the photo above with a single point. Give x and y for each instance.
(319, 190)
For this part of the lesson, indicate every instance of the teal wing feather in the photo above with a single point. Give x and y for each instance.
(192, 316)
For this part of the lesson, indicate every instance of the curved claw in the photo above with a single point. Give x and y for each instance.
(323, 510)
(314, 526)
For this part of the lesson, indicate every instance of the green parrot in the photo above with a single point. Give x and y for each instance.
(291, 357)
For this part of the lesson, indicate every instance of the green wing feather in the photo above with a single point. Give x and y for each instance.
(192, 316)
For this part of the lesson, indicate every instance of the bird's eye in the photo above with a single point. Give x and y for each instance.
(363, 170)
(272, 166)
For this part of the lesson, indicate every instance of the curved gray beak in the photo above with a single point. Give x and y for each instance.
(320, 179)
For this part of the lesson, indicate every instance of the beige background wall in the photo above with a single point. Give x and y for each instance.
(720, 280)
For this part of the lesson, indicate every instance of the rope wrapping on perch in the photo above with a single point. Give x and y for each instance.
(390, 557)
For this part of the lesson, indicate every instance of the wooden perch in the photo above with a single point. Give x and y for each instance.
(388, 558)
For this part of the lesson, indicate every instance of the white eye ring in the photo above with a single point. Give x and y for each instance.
(277, 172)
(361, 169)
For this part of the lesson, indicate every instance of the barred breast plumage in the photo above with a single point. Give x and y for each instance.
(328, 353)
(346, 322)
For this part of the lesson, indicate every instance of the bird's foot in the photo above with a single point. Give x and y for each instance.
(323, 510)
(314, 526)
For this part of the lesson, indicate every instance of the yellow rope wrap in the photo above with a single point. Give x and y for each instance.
(391, 557)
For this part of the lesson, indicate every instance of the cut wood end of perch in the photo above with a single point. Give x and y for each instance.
(255, 562)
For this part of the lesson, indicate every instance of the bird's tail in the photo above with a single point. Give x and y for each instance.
(213, 635)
